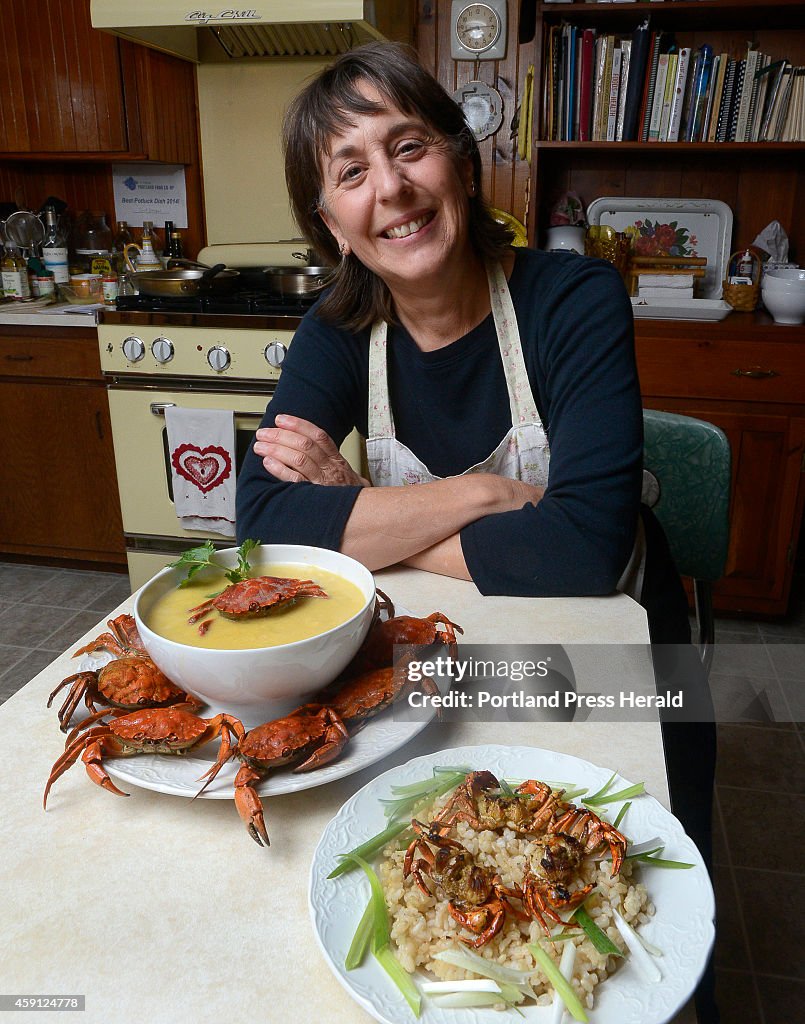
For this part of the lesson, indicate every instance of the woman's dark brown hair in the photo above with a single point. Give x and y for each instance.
(357, 296)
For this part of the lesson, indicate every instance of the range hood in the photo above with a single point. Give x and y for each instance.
(277, 28)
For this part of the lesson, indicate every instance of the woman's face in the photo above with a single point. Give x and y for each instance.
(394, 196)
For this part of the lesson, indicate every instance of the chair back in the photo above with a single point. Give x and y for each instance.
(686, 481)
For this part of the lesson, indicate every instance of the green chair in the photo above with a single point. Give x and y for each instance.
(686, 482)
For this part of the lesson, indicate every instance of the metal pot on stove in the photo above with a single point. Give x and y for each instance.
(184, 278)
(297, 282)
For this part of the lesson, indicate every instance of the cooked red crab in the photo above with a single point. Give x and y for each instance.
(312, 734)
(129, 683)
(252, 598)
(150, 731)
(123, 638)
(377, 650)
(477, 898)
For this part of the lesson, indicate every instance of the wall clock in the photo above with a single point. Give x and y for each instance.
(478, 31)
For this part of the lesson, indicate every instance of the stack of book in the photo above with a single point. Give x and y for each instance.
(644, 87)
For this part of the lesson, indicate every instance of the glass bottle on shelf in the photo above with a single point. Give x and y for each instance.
(155, 242)
(111, 288)
(147, 258)
(168, 253)
(123, 237)
(43, 285)
(92, 243)
(178, 246)
(54, 247)
(14, 271)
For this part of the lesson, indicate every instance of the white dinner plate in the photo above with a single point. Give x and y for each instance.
(179, 776)
(682, 926)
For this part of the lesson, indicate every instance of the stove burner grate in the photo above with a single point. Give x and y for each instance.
(239, 302)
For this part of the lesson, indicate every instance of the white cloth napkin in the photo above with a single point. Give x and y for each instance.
(665, 280)
(202, 457)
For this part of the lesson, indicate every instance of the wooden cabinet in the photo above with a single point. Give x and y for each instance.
(747, 375)
(57, 471)
(68, 89)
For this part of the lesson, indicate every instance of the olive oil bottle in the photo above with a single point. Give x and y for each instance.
(14, 270)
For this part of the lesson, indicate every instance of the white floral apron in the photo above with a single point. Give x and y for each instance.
(523, 454)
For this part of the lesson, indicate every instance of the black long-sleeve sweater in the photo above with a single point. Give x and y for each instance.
(451, 409)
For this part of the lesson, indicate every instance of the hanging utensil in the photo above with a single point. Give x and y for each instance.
(24, 229)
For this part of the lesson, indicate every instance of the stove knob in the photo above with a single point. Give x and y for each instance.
(275, 354)
(219, 358)
(162, 350)
(133, 349)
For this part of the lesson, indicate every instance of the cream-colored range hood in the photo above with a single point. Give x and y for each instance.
(278, 28)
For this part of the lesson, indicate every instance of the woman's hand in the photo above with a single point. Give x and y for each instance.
(296, 451)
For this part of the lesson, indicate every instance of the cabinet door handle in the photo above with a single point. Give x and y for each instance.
(15, 357)
(755, 372)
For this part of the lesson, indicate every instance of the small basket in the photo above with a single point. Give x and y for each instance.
(743, 297)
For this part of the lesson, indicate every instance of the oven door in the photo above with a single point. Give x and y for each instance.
(142, 457)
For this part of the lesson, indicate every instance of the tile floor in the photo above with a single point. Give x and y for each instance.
(760, 781)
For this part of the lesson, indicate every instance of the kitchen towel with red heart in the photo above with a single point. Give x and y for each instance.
(202, 458)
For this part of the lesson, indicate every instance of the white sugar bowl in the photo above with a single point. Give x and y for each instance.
(783, 294)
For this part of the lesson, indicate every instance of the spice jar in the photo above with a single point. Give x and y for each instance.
(110, 286)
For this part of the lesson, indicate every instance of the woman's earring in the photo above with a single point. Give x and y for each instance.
(344, 250)
(472, 188)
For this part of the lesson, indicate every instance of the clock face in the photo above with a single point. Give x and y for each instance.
(478, 27)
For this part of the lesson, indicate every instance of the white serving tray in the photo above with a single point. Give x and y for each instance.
(679, 309)
(703, 228)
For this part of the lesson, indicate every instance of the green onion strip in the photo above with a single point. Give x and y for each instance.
(381, 939)
(599, 939)
(560, 983)
(609, 798)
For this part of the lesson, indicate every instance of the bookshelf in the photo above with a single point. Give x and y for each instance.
(745, 373)
(760, 181)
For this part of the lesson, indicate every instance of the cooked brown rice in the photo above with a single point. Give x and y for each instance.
(421, 925)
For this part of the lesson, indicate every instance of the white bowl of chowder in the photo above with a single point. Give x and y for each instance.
(258, 667)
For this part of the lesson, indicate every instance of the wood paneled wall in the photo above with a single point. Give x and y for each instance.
(59, 80)
(506, 176)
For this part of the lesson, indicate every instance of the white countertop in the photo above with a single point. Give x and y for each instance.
(61, 314)
(164, 910)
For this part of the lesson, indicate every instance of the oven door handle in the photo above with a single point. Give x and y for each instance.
(158, 409)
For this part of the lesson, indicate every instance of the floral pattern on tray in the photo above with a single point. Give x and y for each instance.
(656, 239)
